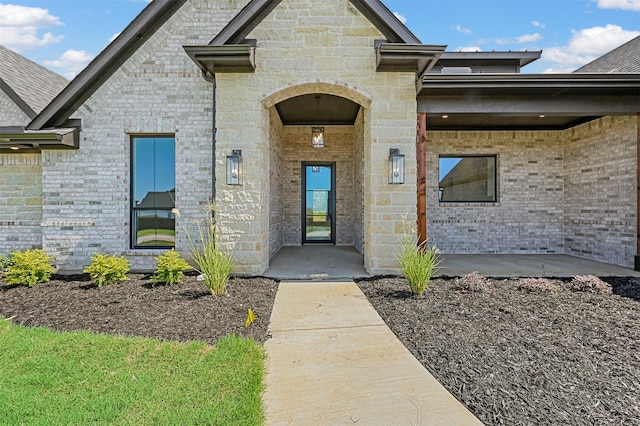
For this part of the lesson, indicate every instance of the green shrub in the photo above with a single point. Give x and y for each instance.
(170, 268)
(418, 262)
(214, 263)
(28, 267)
(106, 269)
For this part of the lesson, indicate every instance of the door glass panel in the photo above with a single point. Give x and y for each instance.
(318, 196)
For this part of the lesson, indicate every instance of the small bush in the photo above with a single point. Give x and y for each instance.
(106, 269)
(29, 267)
(170, 268)
(473, 282)
(418, 262)
(536, 285)
(589, 284)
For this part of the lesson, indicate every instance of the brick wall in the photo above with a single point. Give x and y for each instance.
(339, 141)
(21, 202)
(10, 114)
(601, 190)
(571, 191)
(157, 91)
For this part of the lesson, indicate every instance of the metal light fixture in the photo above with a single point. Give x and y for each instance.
(234, 167)
(317, 132)
(396, 166)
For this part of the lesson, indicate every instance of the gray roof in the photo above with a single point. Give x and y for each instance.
(28, 84)
(623, 59)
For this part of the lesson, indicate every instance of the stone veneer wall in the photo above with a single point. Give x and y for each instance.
(158, 90)
(21, 202)
(305, 47)
(600, 161)
(528, 217)
(338, 148)
(569, 192)
(277, 224)
(358, 182)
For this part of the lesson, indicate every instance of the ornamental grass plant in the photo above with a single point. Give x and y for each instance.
(213, 261)
(418, 262)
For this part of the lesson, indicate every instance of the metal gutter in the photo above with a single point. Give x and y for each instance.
(515, 81)
(106, 63)
(407, 57)
(225, 58)
(51, 139)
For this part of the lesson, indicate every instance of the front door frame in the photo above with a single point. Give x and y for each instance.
(332, 201)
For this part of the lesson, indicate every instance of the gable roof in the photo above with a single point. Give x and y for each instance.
(254, 12)
(106, 63)
(29, 85)
(623, 59)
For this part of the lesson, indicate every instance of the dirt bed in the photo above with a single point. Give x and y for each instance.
(135, 308)
(515, 357)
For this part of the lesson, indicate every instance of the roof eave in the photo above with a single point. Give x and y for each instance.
(418, 58)
(239, 58)
(514, 81)
(31, 141)
(103, 66)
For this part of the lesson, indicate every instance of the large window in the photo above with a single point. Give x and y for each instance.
(468, 179)
(153, 180)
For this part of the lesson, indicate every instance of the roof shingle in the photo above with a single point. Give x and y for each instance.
(623, 59)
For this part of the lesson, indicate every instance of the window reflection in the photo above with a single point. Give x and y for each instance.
(468, 179)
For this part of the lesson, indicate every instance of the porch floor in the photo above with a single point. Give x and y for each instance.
(328, 262)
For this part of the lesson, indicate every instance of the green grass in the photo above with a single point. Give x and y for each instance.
(146, 232)
(51, 378)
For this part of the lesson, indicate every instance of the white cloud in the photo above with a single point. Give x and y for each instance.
(585, 46)
(503, 41)
(469, 49)
(619, 4)
(21, 26)
(459, 28)
(528, 38)
(400, 17)
(71, 62)
(538, 24)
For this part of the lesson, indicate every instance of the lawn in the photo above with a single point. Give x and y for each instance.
(51, 378)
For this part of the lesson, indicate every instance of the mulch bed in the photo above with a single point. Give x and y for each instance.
(135, 308)
(511, 356)
(516, 357)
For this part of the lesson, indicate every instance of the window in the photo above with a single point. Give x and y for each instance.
(468, 179)
(153, 177)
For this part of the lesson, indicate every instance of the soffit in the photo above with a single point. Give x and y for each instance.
(525, 101)
(316, 109)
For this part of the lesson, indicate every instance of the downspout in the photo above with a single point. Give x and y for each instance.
(212, 79)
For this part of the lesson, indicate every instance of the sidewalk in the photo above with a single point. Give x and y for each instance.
(333, 361)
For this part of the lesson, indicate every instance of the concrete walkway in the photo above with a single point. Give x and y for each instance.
(333, 361)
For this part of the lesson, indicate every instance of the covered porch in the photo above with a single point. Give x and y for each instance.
(327, 262)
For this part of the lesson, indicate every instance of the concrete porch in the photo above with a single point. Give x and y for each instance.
(328, 262)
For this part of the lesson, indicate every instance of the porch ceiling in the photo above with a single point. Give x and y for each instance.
(525, 101)
(318, 109)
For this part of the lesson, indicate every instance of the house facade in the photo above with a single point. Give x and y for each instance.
(327, 123)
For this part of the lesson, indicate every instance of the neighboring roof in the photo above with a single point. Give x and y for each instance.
(623, 59)
(159, 200)
(28, 85)
(503, 62)
(106, 63)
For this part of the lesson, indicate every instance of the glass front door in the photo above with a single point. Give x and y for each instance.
(318, 203)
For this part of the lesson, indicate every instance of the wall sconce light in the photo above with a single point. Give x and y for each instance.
(396, 166)
(317, 137)
(234, 167)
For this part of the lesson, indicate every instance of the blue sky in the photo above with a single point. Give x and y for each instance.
(64, 35)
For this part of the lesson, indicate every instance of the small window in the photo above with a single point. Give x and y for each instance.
(153, 177)
(468, 179)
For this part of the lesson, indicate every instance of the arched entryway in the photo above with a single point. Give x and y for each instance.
(317, 186)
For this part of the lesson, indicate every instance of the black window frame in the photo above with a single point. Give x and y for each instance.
(496, 198)
(132, 180)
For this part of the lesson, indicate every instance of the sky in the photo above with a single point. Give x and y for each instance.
(65, 35)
